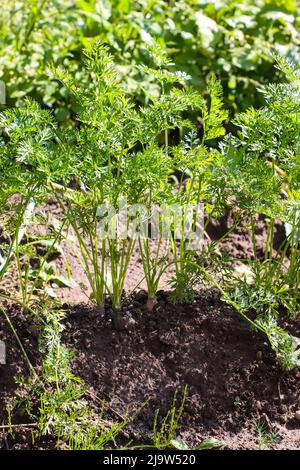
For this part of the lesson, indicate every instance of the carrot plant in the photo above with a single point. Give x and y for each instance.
(120, 154)
(194, 161)
(24, 136)
(261, 168)
(116, 156)
(121, 160)
(259, 172)
(27, 137)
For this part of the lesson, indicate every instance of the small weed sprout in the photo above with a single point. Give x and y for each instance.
(164, 433)
(266, 438)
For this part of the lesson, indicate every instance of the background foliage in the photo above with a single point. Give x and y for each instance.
(234, 39)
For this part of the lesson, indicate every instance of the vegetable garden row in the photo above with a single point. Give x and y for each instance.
(150, 159)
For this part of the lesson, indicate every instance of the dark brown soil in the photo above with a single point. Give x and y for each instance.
(15, 368)
(232, 376)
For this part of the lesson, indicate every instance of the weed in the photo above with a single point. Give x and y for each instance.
(165, 432)
(266, 439)
(58, 398)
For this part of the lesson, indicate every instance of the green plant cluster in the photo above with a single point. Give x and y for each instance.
(119, 151)
(164, 147)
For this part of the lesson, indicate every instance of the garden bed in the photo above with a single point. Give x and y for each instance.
(149, 246)
(232, 376)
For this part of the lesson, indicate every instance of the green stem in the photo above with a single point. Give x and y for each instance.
(19, 343)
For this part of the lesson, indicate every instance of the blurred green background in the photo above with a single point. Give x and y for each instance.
(234, 39)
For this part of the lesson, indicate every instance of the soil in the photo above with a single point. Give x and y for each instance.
(233, 377)
(15, 367)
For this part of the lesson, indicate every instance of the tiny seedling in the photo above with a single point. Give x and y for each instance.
(266, 438)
